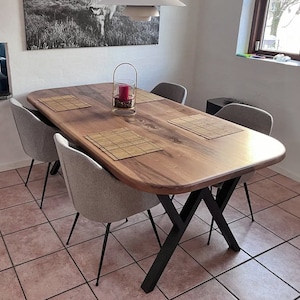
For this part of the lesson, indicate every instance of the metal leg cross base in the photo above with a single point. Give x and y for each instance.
(181, 221)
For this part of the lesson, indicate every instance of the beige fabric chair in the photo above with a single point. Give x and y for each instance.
(96, 194)
(250, 117)
(172, 91)
(36, 138)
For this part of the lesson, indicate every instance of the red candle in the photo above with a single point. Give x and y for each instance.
(124, 92)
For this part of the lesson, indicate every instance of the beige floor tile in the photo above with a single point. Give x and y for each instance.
(287, 182)
(284, 261)
(230, 214)
(20, 217)
(292, 206)
(139, 239)
(266, 172)
(211, 290)
(5, 262)
(84, 229)
(49, 276)
(82, 292)
(10, 288)
(216, 257)
(195, 228)
(296, 242)
(125, 284)
(159, 209)
(87, 257)
(32, 243)
(14, 195)
(253, 281)
(256, 177)
(58, 206)
(181, 198)
(239, 201)
(280, 222)
(9, 178)
(130, 221)
(253, 238)
(203, 213)
(55, 186)
(38, 172)
(271, 191)
(180, 275)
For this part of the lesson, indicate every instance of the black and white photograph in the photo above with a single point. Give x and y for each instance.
(57, 24)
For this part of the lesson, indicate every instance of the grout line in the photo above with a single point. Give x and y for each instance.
(13, 267)
(265, 267)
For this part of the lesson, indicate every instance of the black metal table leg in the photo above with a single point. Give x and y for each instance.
(226, 191)
(180, 222)
(216, 212)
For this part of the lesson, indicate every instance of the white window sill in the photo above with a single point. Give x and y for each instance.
(256, 57)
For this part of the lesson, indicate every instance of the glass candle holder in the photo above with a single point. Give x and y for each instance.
(124, 92)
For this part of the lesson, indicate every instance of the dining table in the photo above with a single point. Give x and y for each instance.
(165, 148)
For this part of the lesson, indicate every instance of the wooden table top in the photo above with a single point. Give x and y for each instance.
(187, 160)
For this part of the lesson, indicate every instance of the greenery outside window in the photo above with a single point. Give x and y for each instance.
(276, 28)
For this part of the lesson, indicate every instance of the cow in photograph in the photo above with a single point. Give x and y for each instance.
(102, 13)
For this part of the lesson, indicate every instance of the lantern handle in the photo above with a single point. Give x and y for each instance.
(131, 65)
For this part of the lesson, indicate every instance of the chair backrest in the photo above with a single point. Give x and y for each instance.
(248, 116)
(36, 137)
(95, 193)
(172, 91)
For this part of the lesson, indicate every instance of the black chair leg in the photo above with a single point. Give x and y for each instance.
(103, 252)
(154, 227)
(248, 199)
(73, 226)
(210, 231)
(29, 172)
(45, 184)
(55, 168)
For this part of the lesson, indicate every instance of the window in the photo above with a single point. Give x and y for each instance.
(276, 28)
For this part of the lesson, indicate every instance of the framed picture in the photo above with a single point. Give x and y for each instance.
(5, 92)
(56, 24)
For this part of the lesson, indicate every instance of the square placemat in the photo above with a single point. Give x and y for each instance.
(122, 143)
(206, 126)
(63, 103)
(144, 96)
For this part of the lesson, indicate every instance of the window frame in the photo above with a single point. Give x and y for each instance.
(257, 28)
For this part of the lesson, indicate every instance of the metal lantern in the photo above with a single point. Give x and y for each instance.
(124, 90)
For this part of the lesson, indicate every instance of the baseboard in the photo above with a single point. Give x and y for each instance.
(286, 173)
(15, 165)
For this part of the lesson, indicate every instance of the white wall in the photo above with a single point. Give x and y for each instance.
(171, 60)
(269, 85)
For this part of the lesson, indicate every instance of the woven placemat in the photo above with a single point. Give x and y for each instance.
(62, 103)
(143, 96)
(206, 126)
(122, 143)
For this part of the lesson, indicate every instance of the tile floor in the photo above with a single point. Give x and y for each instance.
(35, 262)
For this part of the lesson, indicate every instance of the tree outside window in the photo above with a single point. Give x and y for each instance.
(276, 28)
